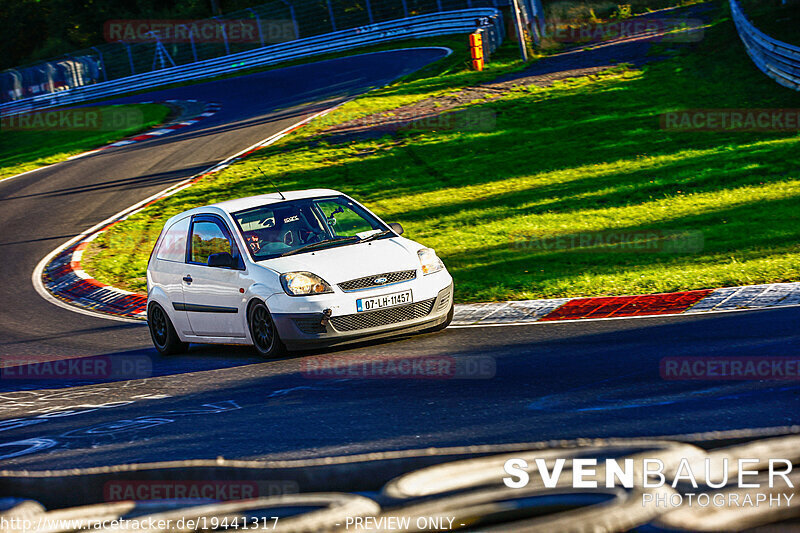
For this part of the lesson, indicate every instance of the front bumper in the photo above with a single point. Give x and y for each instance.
(307, 330)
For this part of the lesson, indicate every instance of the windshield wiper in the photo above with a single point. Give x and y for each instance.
(320, 243)
(376, 235)
(343, 240)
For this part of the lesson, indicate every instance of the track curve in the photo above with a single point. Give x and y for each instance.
(542, 381)
(44, 209)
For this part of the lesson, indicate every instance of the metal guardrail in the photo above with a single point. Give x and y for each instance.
(137, 46)
(778, 60)
(434, 24)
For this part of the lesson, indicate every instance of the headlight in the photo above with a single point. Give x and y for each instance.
(304, 284)
(430, 261)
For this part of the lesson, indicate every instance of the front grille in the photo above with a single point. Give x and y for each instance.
(310, 325)
(368, 282)
(373, 319)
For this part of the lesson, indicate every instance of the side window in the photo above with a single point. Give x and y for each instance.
(208, 238)
(173, 243)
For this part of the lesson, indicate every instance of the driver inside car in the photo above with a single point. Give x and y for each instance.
(291, 227)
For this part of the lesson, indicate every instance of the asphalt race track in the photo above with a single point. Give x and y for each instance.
(43, 209)
(511, 384)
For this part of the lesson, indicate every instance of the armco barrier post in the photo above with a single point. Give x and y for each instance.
(476, 49)
(519, 29)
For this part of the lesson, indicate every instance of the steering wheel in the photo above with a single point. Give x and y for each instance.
(307, 236)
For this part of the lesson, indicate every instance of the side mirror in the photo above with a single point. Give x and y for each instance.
(221, 260)
(396, 227)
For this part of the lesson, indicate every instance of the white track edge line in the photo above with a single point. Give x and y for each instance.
(191, 121)
(31, 171)
(38, 271)
(89, 152)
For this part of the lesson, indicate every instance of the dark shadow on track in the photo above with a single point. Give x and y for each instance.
(555, 381)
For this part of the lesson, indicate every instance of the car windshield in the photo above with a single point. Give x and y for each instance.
(303, 225)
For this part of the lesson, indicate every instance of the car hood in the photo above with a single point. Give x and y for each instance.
(343, 263)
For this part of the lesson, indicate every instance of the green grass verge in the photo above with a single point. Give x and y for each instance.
(585, 156)
(22, 150)
(605, 10)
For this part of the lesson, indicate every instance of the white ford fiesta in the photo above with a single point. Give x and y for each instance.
(287, 271)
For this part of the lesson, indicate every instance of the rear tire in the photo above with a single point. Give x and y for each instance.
(263, 332)
(164, 336)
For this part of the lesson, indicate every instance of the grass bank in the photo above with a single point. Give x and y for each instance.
(26, 146)
(605, 10)
(533, 206)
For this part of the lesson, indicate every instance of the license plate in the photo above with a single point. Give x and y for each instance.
(380, 302)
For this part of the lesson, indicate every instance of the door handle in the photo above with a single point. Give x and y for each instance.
(187, 279)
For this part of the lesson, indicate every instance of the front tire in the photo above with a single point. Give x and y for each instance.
(163, 333)
(263, 332)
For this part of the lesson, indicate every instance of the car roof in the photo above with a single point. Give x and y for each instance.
(240, 204)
